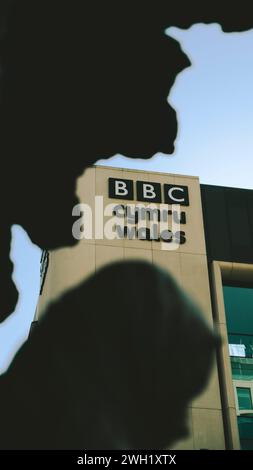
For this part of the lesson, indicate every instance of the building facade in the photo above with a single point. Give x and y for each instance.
(203, 236)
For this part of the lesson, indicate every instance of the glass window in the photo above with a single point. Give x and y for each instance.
(239, 317)
(245, 425)
(244, 398)
(239, 308)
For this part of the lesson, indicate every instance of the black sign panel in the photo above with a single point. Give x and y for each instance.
(148, 192)
(121, 189)
(176, 194)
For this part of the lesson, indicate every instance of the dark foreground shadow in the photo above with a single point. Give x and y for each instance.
(112, 365)
(81, 81)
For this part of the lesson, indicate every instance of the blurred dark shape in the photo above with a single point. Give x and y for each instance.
(81, 81)
(112, 365)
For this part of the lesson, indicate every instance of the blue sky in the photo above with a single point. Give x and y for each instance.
(214, 103)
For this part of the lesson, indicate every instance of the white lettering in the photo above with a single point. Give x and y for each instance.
(148, 191)
(120, 188)
(171, 191)
(82, 228)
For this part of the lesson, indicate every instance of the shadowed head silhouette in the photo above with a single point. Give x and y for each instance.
(104, 376)
(80, 81)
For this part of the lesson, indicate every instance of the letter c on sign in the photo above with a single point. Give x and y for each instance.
(173, 198)
(176, 194)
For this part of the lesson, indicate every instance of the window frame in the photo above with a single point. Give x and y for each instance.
(248, 384)
(239, 274)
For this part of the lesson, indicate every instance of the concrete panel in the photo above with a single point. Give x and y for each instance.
(73, 266)
(102, 176)
(188, 442)
(86, 185)
(169, 261)
(195, 237)
(218, 296)
(107, 255)
(195, 281)
(208, 429)
(232, 429)
(67, 268)
(210, 397)
(135, 253)
(86, 190)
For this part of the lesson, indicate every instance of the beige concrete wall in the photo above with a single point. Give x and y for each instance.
(188, 265)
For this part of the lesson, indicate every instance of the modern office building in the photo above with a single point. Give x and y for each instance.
(203, 235)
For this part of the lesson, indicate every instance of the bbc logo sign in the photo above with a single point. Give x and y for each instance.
(147, 191)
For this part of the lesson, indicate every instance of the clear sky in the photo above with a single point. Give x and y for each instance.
(214, 103)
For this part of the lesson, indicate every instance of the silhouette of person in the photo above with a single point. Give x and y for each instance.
(81, 81)
(118, 373)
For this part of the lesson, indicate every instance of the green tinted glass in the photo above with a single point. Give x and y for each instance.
(244, 398)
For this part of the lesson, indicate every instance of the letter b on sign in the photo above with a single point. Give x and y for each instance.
(148, 192)
(121, 189)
